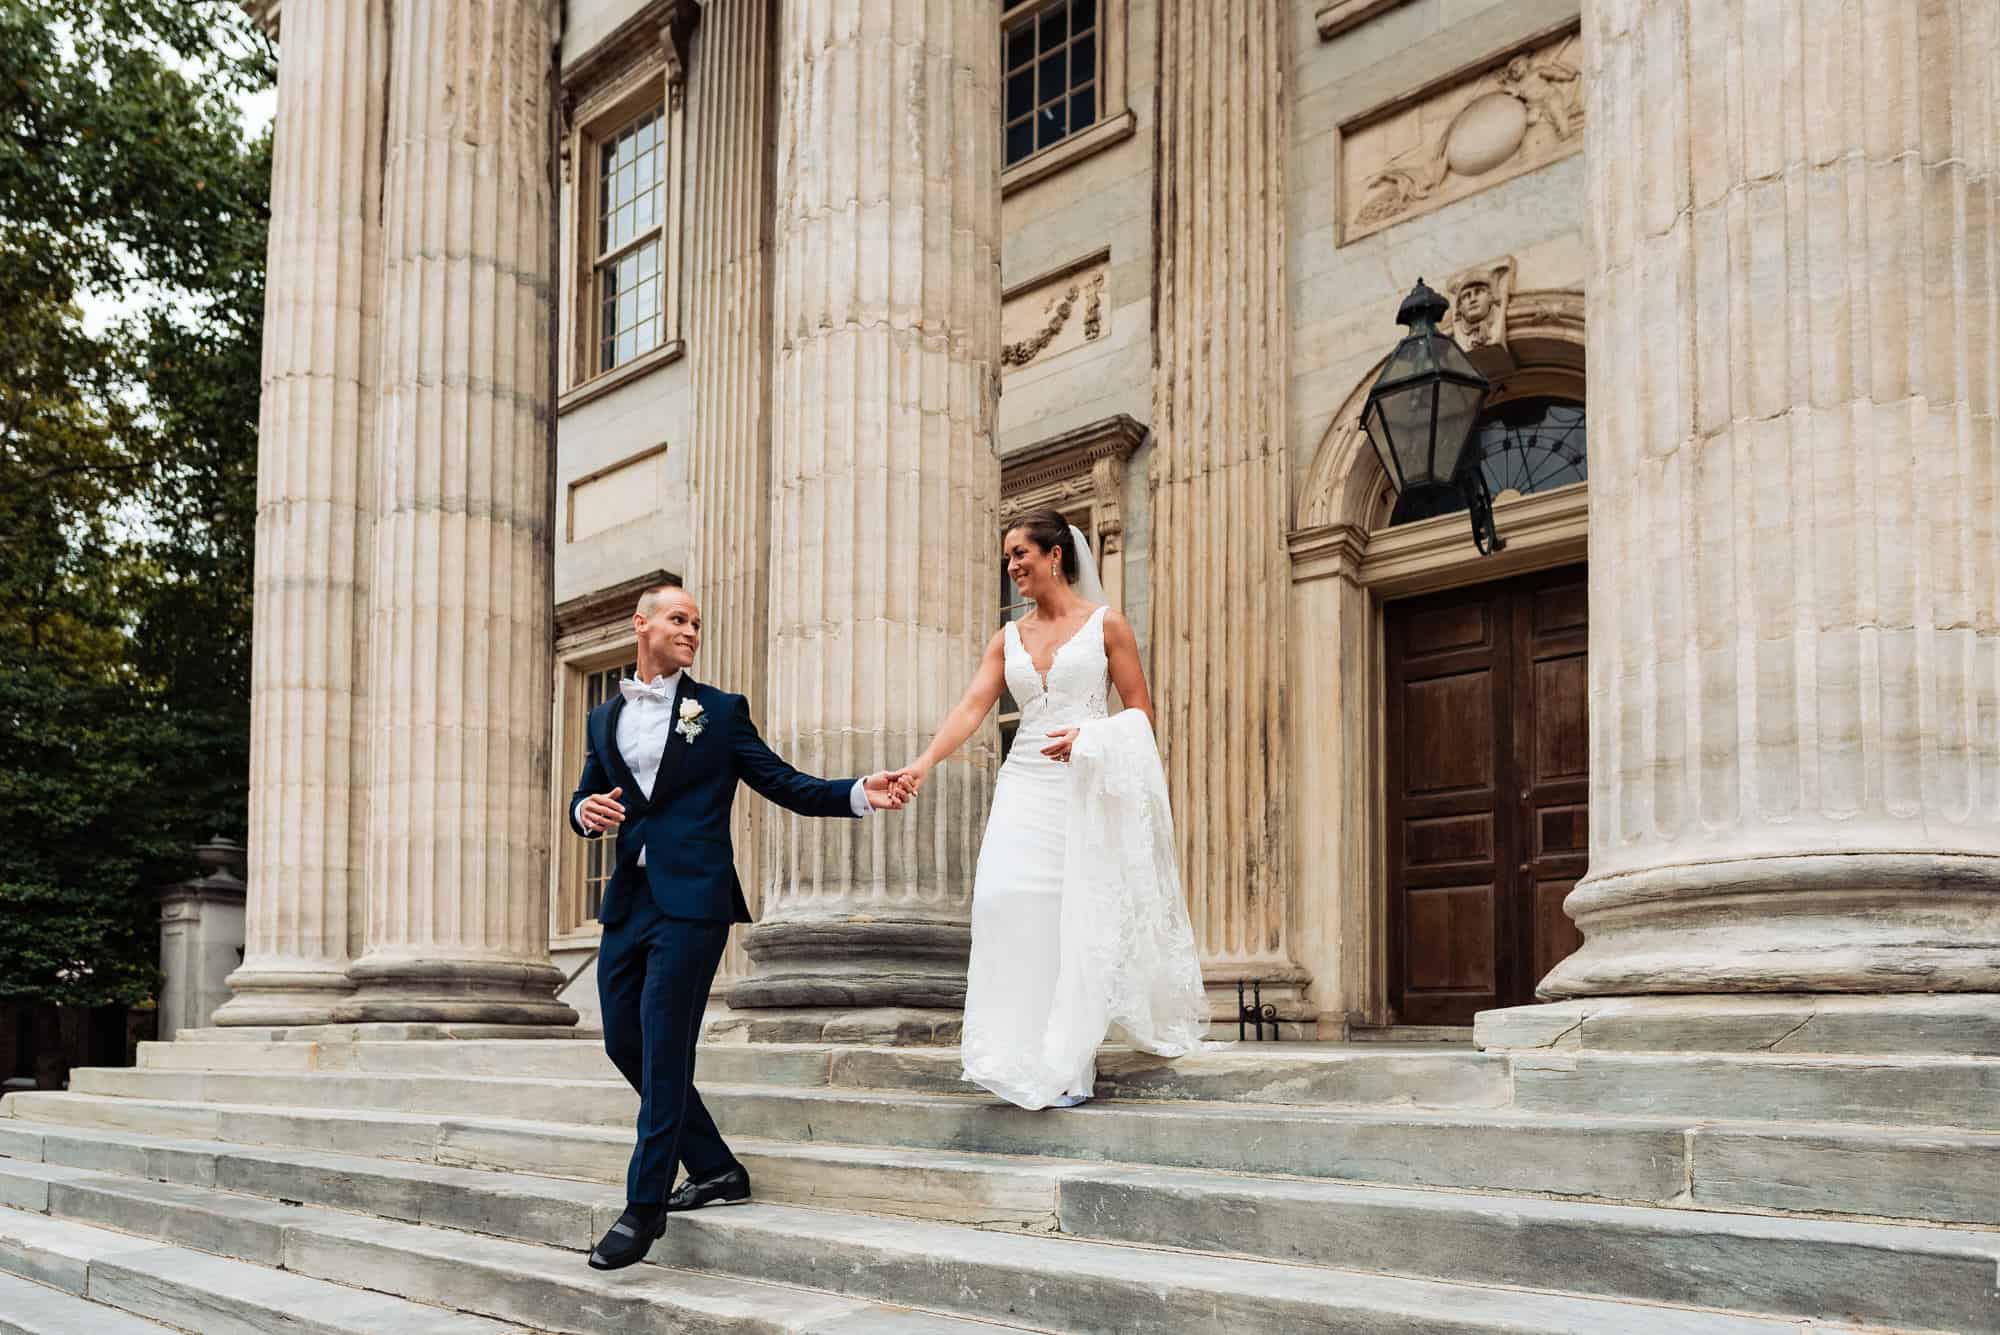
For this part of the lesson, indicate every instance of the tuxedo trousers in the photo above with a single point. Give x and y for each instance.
(653, 976)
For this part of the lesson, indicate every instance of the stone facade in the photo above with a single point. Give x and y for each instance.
(1180, 307)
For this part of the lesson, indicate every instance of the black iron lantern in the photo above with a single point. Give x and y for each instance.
(1423, 416)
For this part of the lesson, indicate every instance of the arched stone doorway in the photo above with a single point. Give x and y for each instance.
(1479, 928)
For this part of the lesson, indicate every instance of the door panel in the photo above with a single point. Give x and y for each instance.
(1488, 791)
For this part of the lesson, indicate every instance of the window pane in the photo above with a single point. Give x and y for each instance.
(1055, 27)
(1021, 45)
(1053, 125)
(1020, 141)
(1020, 94)
(1083, 60)
(648, 258)
(1055, 77)
(1082, 15)
(1083, 109)
(628, 346)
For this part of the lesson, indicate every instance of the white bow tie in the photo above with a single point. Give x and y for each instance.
(635, 690)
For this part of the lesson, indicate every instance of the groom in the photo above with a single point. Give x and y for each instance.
(660, 767)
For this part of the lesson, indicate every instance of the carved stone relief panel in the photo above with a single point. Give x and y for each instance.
(1044, 318)
(1463, 137)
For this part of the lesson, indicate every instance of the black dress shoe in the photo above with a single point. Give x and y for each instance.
(628, 1240)
(730, 1187)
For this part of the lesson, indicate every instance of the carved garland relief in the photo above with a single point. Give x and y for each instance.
(1512, 119)
(1042, 320)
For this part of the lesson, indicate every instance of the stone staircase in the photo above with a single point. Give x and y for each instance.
(394, 1179)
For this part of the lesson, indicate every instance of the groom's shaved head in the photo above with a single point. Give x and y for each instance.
(649, 601)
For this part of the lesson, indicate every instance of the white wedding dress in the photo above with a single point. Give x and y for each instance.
(1079, 930)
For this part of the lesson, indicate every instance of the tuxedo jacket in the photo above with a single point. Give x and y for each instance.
(683, 824)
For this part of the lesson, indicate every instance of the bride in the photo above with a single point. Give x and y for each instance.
(1079, 931)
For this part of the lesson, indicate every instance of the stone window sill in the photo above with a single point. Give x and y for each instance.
(600, 386)
(1070, 151)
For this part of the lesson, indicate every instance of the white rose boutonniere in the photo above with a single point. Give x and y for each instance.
(691, 723)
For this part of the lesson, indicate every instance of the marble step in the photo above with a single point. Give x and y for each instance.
(810, 1269)
(359, 1274)
(27, 1308)
(1301, 1074)
(116, 1272)
(1945, 1091)
(1930, 1278)
(1932, 1176)
(1618, 1159)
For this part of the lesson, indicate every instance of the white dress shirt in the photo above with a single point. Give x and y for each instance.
(644, 727)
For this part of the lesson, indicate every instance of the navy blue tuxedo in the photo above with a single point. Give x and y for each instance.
(666, 923)
(683, 824)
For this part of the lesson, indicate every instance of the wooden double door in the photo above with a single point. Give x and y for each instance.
(1488, 791)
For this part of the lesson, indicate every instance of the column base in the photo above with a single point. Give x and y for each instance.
(456, 992)
(1865, 922)
(855, 963)
(1959, 1024)
(272, 994)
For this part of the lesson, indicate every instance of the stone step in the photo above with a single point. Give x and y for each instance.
(373, 1276)
(1927, 1176)
(1424, 1076)
(988, 1190)
(1949, 1091)
(27, 1308)
(1911, 1277)
(808, 1269)
(1617, 1159)
(190, 1290)
(1960, 1092)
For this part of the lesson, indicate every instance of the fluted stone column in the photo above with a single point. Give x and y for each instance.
(884, 485)
(1795, 570)
(1221, 570)
(729, 334)
(459, 636)
(315, 480)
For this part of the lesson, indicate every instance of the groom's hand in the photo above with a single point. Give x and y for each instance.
(602, 811)
(887, 791)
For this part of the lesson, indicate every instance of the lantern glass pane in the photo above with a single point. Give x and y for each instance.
(1457, 415)
(1378, 435)
(1413, 356)
(1407, 414)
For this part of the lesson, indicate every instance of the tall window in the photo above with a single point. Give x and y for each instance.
(1054, 72)
(623, 156)
(600, 856)
(631, 227)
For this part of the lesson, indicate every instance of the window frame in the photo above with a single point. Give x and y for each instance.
(636, 69)
(1115, 121)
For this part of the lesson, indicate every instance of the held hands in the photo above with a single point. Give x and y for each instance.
(890, 790)
(602, 811)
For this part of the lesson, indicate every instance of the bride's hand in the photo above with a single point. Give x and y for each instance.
(1060, 741)
(910, 778)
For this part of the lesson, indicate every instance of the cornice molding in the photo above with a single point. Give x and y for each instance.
(605, 605)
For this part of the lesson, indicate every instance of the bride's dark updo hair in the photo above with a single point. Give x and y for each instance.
(1048, 530)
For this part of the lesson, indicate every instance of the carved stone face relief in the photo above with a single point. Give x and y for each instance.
(1516, 117)
(1479, 297)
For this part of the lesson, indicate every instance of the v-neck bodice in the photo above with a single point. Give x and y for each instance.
(1076, 687)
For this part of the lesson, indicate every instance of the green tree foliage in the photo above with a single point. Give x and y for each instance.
(127, 469)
